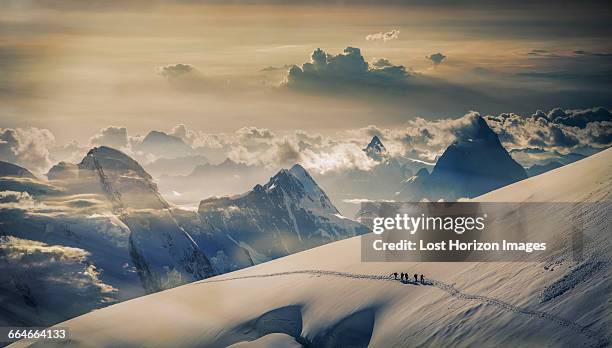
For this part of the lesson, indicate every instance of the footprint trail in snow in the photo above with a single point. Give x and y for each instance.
(601, 340)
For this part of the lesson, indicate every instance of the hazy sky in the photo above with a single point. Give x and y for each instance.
(75, 67)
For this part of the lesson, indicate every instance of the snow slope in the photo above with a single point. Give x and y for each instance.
(327, 297)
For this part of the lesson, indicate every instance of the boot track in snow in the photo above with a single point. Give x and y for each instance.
(601, 341)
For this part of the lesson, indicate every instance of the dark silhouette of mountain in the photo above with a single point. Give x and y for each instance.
(375, 149)
(474, 164)
(8, 169)
(538, 169)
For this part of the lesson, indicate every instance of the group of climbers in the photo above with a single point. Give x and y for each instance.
(405, 277)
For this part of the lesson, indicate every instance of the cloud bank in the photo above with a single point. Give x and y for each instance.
(28, 147)
(112, 136)
(557, 131)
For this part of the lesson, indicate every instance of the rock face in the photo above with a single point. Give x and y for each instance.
(164, 254)
(290, 213)
(12, 170)
(474, 164)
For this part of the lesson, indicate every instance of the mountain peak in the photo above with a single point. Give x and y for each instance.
(156, 136)
(111, 159)
(476, 163)
(298, 186)
(375, 149)
(478, 130)
(163, 145)
(301, 173)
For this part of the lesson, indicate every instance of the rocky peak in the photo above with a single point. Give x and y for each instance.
(109, 159)
(375, 149)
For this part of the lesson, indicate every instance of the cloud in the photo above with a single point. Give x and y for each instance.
(345, 69)
(381, 63)
(254, 133)
(540, 53)
(187, 78)
(112, 136)
(558, 130)
(387, 36)
(70, 152)
(51, 279)
(19, 200)
(436, 58)
(28, 147)
(276, 68)
(579, 118)
(287, 153)
(594, 54)
(176, 70)
(196, 138)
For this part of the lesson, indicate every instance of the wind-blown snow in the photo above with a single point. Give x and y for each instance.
(327, 297)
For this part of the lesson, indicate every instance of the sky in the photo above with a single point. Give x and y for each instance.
(76, 67)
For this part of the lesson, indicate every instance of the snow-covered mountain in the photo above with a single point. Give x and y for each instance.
(289, 213)
(474, 164)
(104, 221)
(328, 297)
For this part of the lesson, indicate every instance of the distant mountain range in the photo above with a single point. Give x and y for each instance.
(206, 180)
(104, 217)
(100, 231)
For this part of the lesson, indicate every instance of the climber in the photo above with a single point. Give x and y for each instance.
(415, 279)
(422, 279)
